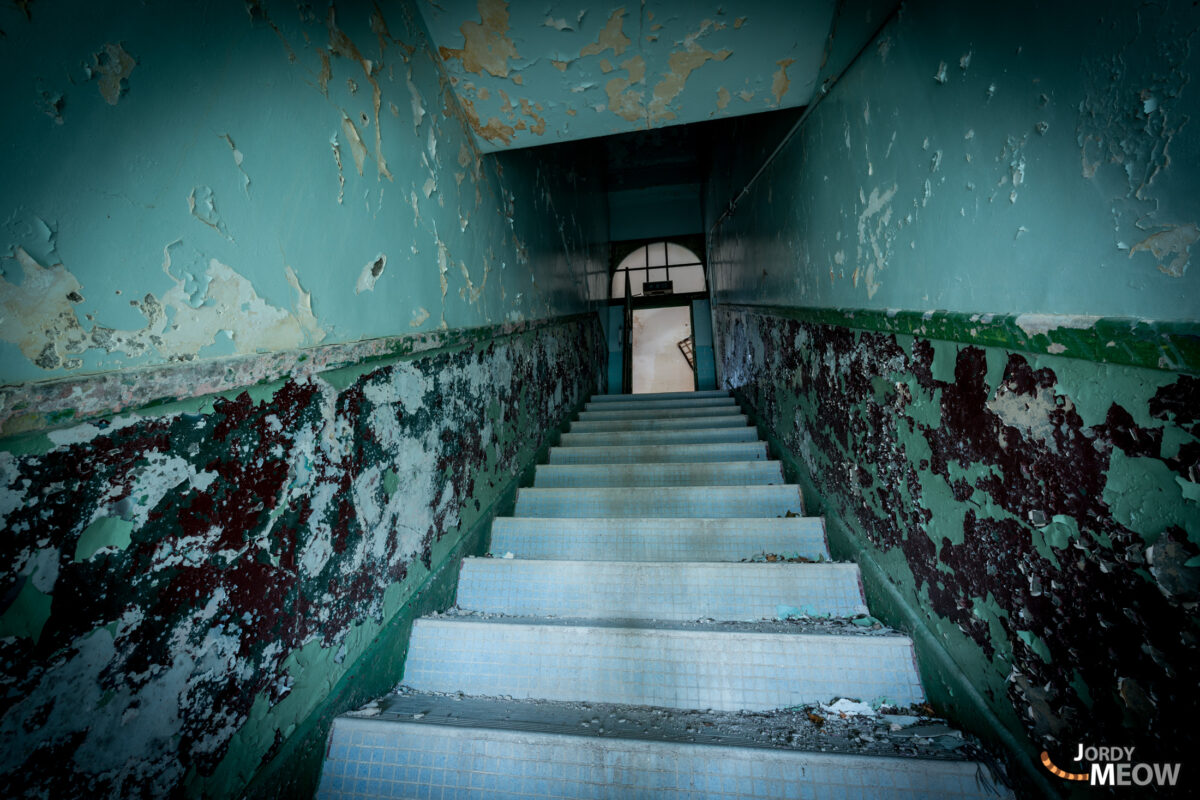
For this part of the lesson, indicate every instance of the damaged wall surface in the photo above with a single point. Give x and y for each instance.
(1041, 513)
(528, 73)
(960, 298)
(186, 181)
(973, 162)
(185, 586)
(276, 341)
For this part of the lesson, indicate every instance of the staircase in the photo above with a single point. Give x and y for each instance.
(657, 619)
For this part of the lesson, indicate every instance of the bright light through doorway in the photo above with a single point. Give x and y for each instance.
(658, 363)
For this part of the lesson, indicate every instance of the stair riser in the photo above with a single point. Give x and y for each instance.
(669, 668)
(653, 406)
(662, 437)
(745, 473)
(678, 454)
(676, 592)
(645, 398)
(657, 539)
(687, 501)
(664, 413)
(683, 424)
(376, 758)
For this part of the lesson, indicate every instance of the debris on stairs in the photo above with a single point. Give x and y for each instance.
(657, 619)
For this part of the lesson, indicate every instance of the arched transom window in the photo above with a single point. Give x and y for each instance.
(655, 264)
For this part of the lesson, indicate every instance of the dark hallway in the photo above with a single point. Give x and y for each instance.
(295, 297)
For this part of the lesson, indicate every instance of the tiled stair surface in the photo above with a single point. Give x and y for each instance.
(660, 573)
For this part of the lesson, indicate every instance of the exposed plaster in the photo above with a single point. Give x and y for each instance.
(40, 316)
(486, 45)
(111, 68)
(780, 83)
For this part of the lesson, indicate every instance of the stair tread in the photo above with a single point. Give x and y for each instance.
(705, 453)
(790, 730)
(661, 395)
(732, 433)
(661, 413)
(661, 424)
(669, 501)
(728, 473)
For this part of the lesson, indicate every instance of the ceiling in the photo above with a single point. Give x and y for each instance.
(533, 73)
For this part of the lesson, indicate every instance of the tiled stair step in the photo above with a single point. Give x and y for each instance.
(672, 501)
(446, 756)
(678, 591)
(730, 473)
(664, 666)
(661, 413)
(625, 398)
(683, 423)
(621, 438)
(604, 538)
(655, 405)
(651, 454)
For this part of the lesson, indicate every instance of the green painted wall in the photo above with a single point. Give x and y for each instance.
(960, 301)
(1008, 158)
(276, 342)
(193, 180)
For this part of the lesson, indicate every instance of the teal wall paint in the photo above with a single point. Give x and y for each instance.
(615, 333)
(655, 212)
(531, 73)
(193, 180)
(196, 583)
(960, 299)
(972, 160)
(702, 332)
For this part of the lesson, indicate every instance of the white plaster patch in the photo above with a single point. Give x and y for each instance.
(1042, 324)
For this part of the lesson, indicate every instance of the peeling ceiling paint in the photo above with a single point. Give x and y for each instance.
(619, 68)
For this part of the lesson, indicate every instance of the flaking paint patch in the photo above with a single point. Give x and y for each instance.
(1012, 500)
(623, 99)
(358, 150)
(187, 318)
(111, 68)
(270, 547)
(337, 158)
(611, 37)
(680, 65)
(238, 160)
(371, 273)
(780, 82)
(1171, 246)
(873, 243)
(202, 204)
(486, 44)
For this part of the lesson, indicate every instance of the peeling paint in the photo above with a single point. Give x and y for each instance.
(111, 68)
(370, 274)
(358, 150)
(238, 160)
(486, 45)
(780, 83)
(611, 37)
(179, 324)
(203, 206)
(192, 583)
(1175, 240)
(1000, 492)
